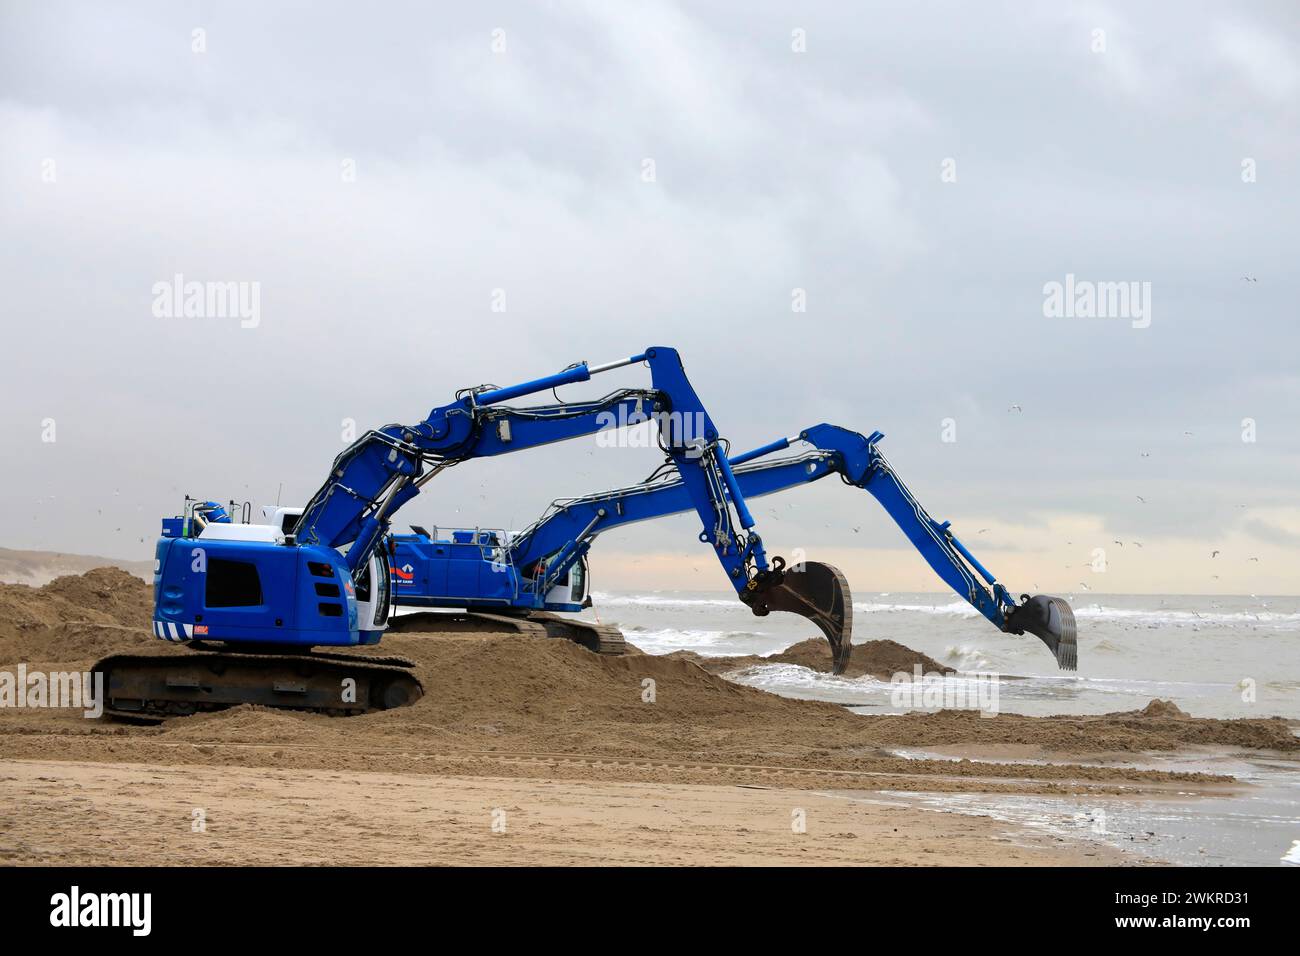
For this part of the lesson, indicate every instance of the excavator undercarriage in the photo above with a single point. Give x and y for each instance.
(597, 638)
(152, 687)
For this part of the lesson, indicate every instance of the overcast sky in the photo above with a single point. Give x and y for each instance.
(922, 171)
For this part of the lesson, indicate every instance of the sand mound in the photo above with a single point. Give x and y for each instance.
(123, 597)
(1163, 708)
(508, 677)
(76, 617)
(535, 694)
(246, 724)
(104, 596)
(879, 659)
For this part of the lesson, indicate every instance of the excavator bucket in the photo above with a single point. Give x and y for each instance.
(1051, 620)
(820, 593)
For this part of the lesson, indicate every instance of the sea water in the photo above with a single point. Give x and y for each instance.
(1227, 656)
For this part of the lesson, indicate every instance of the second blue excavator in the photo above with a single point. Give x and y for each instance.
(540, 573)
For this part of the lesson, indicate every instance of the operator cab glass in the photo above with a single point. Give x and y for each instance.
(376, 597)
(578, 582)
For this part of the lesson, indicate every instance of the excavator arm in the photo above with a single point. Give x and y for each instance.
(375, 476)
(565, 533)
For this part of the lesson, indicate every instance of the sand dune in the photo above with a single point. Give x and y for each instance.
(41, 567)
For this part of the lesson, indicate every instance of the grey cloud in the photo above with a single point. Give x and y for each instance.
(775, 170)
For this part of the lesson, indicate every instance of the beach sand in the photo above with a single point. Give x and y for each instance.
(580, 763)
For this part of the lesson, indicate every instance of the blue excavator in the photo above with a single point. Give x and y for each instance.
(263, 609)
(540, 573)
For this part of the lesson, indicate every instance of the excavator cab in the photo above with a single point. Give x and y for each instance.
(569, 592)
(374, 589)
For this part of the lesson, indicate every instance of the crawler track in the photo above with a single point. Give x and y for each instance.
(151, 687)
(598, 638)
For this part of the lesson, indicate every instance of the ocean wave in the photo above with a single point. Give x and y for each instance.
(796, 675)
(675, 639)
(967, 658)
(1148, 616)
(1151, 617)
(791, 680)
(656, 600)
(955, 609)
(1170, 616)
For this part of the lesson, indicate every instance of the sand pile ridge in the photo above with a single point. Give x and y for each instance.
(507, 691)
(75, 617)
(880, 659)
